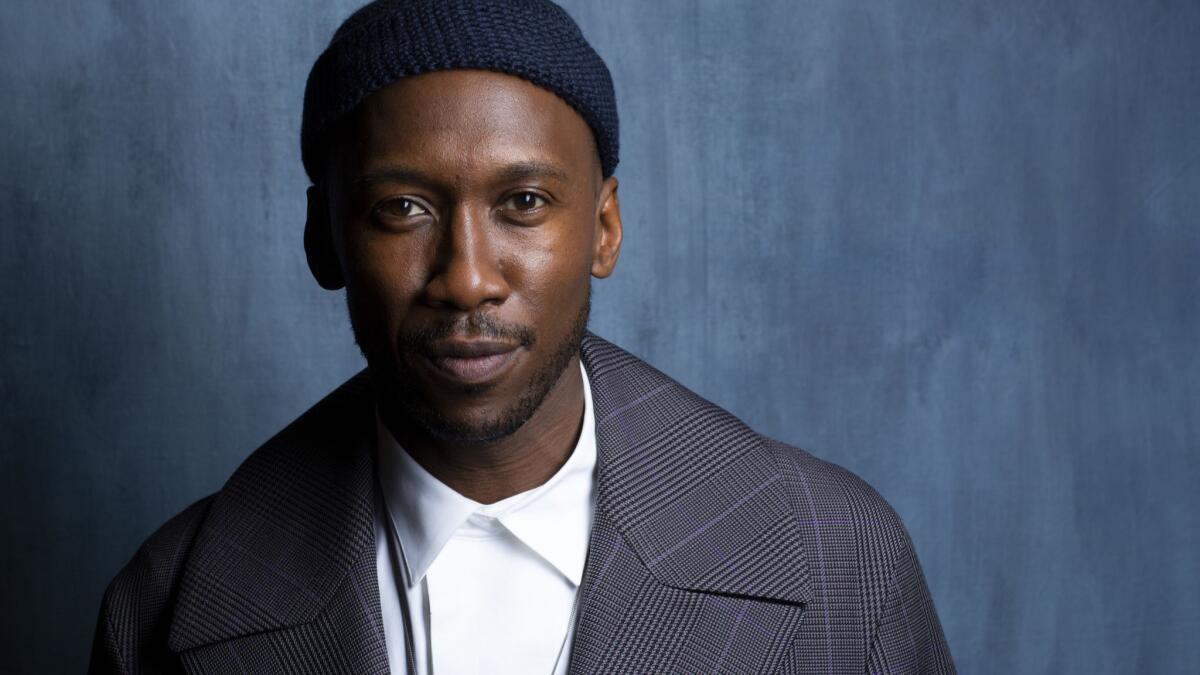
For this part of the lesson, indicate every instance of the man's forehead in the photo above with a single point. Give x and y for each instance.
(469, 121)
(468, 100)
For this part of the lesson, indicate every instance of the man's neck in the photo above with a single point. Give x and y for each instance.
(489, 472)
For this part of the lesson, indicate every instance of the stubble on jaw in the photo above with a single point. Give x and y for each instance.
(406, 401)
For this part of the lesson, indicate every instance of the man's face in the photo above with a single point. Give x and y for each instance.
(466, 212)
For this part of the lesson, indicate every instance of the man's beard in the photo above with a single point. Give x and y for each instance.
(393, 379)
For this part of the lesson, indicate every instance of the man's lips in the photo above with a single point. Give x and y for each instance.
(471, 361)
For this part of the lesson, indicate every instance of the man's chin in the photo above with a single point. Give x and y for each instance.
(467, 431)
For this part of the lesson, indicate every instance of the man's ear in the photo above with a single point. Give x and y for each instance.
(608, 230)
(318, 242)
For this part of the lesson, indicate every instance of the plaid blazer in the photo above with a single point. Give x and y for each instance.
(713, 549)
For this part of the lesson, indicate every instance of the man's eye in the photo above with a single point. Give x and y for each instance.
(524, 201)
(401, 208)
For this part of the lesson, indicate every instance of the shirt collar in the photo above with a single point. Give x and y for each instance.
(553, 519)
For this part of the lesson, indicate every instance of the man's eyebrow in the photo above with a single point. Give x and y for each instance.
(508, 173)
(532, 169)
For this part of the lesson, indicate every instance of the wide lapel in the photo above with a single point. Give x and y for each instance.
(282, 576)
(695, 560)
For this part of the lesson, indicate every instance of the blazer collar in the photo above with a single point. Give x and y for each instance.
(690, 488)
(285, 531)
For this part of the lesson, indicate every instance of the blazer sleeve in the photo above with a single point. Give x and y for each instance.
(908, 636)
(104, 655)
(107, 645)
(135, 614)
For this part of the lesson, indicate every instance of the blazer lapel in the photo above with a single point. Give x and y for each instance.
(695, 559)
(282, 576)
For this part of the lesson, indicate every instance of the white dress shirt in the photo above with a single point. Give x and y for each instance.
(491, 587)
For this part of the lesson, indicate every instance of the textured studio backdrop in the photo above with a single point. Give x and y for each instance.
(952, 246)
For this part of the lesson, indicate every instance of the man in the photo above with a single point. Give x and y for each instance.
(501, 491)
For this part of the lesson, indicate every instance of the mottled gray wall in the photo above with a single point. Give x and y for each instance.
(950, 245)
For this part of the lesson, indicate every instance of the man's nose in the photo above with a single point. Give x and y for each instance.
(467, 274)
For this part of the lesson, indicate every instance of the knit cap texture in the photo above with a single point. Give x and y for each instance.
(388, 40)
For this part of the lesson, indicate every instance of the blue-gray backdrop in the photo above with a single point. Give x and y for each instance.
(950, 245)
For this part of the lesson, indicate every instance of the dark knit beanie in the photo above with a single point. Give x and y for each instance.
(391, 39)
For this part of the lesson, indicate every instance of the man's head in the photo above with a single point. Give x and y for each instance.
(464, 208)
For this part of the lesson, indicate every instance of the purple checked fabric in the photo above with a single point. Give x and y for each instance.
(713, 550)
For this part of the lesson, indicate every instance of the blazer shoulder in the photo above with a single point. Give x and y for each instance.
(821, 485)
(136, 609)
(163, 551)
(841, 512)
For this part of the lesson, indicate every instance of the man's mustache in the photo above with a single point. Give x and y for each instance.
(477, 325)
